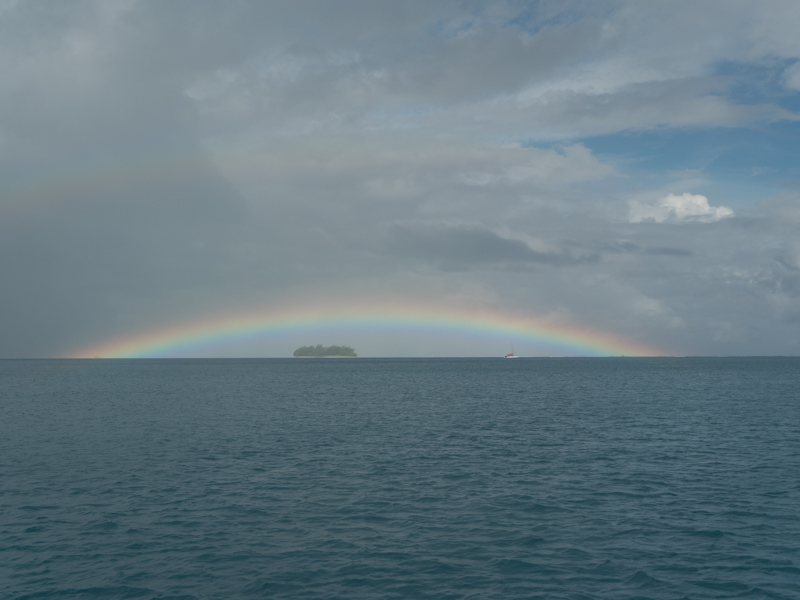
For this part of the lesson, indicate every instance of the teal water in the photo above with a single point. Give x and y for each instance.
(438, 478)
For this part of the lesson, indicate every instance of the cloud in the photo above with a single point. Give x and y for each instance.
(458, 247)
(678, 209)
(582, 70)
(160, 160)
(791, 77)
(728, 333)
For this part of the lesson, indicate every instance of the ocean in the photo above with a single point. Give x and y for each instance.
(573, 478)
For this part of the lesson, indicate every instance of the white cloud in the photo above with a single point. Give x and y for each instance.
(674, 208)
(791, 77)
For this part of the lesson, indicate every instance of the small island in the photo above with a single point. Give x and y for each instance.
(320, 351)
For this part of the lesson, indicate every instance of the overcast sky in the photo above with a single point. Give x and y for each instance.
(631, 167)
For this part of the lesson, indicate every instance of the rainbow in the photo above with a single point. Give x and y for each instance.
(202, 337)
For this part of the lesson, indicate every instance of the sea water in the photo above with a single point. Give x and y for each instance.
(612, 478)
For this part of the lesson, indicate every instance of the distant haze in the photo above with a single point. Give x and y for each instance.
(628, 168)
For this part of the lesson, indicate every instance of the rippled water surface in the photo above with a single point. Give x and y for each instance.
(462, 478)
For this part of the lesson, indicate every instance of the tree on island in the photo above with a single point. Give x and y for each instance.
(320, 351)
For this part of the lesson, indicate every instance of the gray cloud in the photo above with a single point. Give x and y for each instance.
(464, 247)
(169, 161)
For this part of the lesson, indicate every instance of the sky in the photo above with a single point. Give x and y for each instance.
(628, 169)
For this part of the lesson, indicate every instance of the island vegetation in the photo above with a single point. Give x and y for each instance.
(320, 351)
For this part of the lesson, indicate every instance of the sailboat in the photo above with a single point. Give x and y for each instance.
(511, 354)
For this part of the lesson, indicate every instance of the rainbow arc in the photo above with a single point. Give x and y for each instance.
(202, 337)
